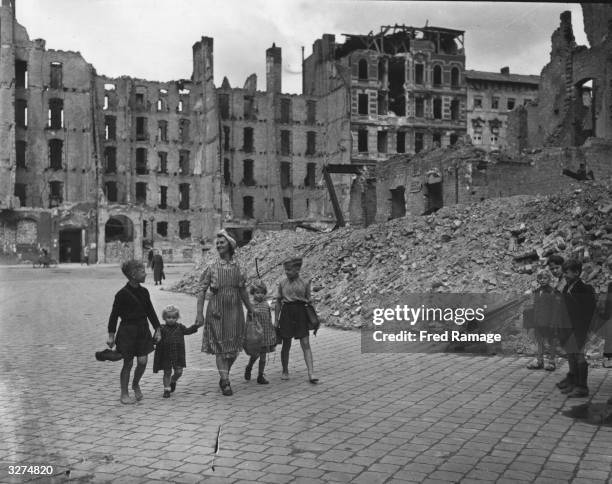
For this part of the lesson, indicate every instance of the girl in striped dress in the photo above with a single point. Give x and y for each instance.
(224, 328)
(261, 314)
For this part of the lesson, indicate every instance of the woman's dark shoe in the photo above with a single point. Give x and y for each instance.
(166, 393)
(226, 389)
(261, 380)
(247, 373)
(172, 386)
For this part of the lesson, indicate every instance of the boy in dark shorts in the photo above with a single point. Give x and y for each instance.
(133, 339)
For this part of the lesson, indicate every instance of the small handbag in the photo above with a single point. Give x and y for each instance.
(313, 318)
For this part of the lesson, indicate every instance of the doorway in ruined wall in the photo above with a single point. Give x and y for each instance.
(119, 239)
(70, 245)
(369, 202)
(584, 110)
(398, 202)
(434, 195)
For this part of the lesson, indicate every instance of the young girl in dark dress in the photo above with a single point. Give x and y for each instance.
(170, 352)
(133, 305)
(261, 314)
(292, 295)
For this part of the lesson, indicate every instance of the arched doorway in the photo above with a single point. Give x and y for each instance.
(118, 238)
(584, 110)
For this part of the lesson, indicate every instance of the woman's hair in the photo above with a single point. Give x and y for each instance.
(258, 286)
(544, 274)
(129, 267)
(170, 310)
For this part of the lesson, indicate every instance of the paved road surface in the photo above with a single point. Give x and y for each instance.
(375, 418)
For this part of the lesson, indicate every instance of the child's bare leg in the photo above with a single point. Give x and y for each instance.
(262, 365)
(124, 378)
(167, 379)
(141, 366)
(178, 372)
(305, 343)
(249, 367)
(285, 357)
(222, 366)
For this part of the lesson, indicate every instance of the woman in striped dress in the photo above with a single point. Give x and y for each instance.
(224, 327)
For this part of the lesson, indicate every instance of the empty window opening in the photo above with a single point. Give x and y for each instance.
(226, 138)
(311, 170)
(477, 103)
(288, 208)
(247, 207)
(454, 77)
(21, 74)
(110, 159)
(224, 110)
(454, 110)
(437, 108)
(56, 193)
(311, 112)
(55, 115)
(249, 107)
(110, 190)
(437, 140)
(162, 158)
(247, 141)
(160, 104)
(585, 113)
(162, 229)
(184, 130)
(119, 228)
(311, 142)
(110, 128)
(227, 174)
(184, 229)
(495, 102)
(20, 157)
(363, 69)
(382, 141)
(511, 103)
(140, 100)
(401, 142)
(109, 87)
(141, 192)
(382, 103)
(105, 106)
(453, 138)
(285, 174)
(419, 107)
(21, 113)
(418, 73)
(180, 106)
(285, 110)
(162, 131)
(285, 143)
(418, 142)
(183, 104)
(382, 72)
(184, 196)
(397, 78)
(141, 161)
(184, 168)
(362, 140)
(56, 147)
(398, 202)
(163, 197)
(362, 107)
(55, 77)
(437, 76)
(248, 178)
(20, 193)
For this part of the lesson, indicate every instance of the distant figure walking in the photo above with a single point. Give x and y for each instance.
(158, 268)
(150, 258)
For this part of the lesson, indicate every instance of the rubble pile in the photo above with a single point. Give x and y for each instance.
(494, 246)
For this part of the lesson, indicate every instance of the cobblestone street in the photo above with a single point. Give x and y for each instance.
(374, 418)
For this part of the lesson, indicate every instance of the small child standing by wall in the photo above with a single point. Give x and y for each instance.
(293, 294)
(261, 314)
(133, 339)
(170, 352)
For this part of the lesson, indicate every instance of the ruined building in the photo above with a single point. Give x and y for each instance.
(406, 86)
(490, 97)
(118, 165)
(575, 94)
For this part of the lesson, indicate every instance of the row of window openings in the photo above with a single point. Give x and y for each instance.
(248, 145)
(110, 161)
(110, 190)
(56, 193)
(510, 103)
(142, 134)
(286, 179)
(285, 114)
(248, 208)
(55, 75)
(419, 107)
(55, 113)
(162, 103)
(419, 73)
(382, 141)
(162, 229)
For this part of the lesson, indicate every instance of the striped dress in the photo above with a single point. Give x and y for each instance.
(224, 328)
(262, 314)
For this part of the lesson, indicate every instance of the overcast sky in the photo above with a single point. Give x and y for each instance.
(152, 39)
